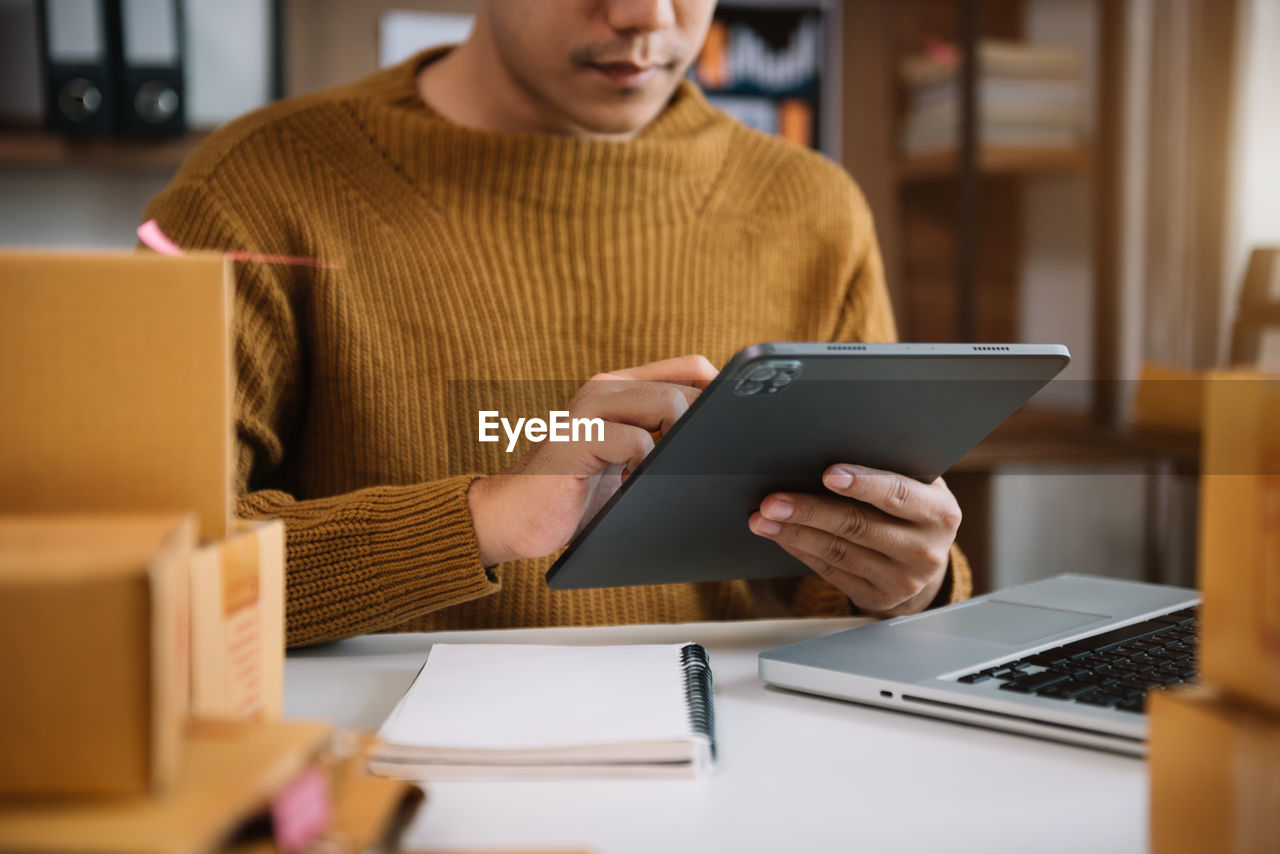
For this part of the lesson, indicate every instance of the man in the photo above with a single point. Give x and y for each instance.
(544, 202)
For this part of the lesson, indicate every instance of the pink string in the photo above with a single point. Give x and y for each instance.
(157, 241)
(303, 811)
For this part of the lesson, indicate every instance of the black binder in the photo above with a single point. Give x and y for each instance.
(152, 86)
(78, 43)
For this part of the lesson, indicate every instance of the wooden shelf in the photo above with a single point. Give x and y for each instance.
(39, 148)
(1033, 437)
(996, 161)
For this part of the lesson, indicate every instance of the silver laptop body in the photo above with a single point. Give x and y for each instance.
(914, 663)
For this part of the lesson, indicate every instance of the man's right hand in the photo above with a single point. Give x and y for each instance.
(535, 506)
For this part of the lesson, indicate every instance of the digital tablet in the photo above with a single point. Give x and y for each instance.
(773, 420)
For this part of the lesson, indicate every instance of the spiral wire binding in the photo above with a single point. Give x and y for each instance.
(697, 692)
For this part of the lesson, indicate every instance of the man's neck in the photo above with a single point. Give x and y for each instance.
(474, 90)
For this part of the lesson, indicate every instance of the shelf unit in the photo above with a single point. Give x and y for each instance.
(996, 161)
(950, 223)
(951, 228)
(35, 148)
(777, 33)
(936, 215)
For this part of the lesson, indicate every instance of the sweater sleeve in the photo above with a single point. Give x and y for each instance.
(358, 562)
(867, 315)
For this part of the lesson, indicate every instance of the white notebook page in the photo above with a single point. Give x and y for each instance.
(496, 696)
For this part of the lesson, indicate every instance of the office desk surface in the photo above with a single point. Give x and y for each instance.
(796, 773)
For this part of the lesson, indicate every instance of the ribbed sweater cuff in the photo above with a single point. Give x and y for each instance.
(958, 585)
(374, 558)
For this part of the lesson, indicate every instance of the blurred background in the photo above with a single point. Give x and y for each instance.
(1098, 173)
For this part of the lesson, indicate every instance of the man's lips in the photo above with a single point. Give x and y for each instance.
(627, 75)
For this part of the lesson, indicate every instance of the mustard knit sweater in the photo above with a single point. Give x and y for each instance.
(482, 270)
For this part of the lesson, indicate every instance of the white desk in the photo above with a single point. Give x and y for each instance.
(796, 773)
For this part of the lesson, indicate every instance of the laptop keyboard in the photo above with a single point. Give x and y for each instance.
(1114, 669)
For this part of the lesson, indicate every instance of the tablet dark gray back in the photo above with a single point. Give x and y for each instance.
(773, 420)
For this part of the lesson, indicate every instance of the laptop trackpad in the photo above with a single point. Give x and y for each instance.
(1003, 622)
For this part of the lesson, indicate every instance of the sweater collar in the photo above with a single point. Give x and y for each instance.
(669, 170)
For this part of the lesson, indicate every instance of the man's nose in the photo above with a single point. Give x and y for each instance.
(642, 16)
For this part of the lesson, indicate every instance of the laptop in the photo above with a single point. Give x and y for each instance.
(1070, 658)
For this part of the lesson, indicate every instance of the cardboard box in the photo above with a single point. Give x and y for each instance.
(233, 771)
(95, 630)
(1169, 399)
(1215, 774)
(1240, 538)
(370, 813)
(117, 385)
(237, 624)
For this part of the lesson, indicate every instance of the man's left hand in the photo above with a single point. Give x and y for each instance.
(887, 549)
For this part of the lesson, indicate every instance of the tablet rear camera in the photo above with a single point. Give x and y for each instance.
(767, 378)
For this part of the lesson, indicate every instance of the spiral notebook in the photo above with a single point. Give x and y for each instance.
(525, 711)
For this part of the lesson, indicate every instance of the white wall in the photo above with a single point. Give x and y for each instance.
(228, 59)
(1053, 520)
(1057, 281)
(1254, 201)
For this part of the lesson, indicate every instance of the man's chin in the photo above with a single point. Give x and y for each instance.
(619, 119)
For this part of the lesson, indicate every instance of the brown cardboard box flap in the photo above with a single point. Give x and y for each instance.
(233, 769)
(372, 813)
(237, 622)
(118, 384)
